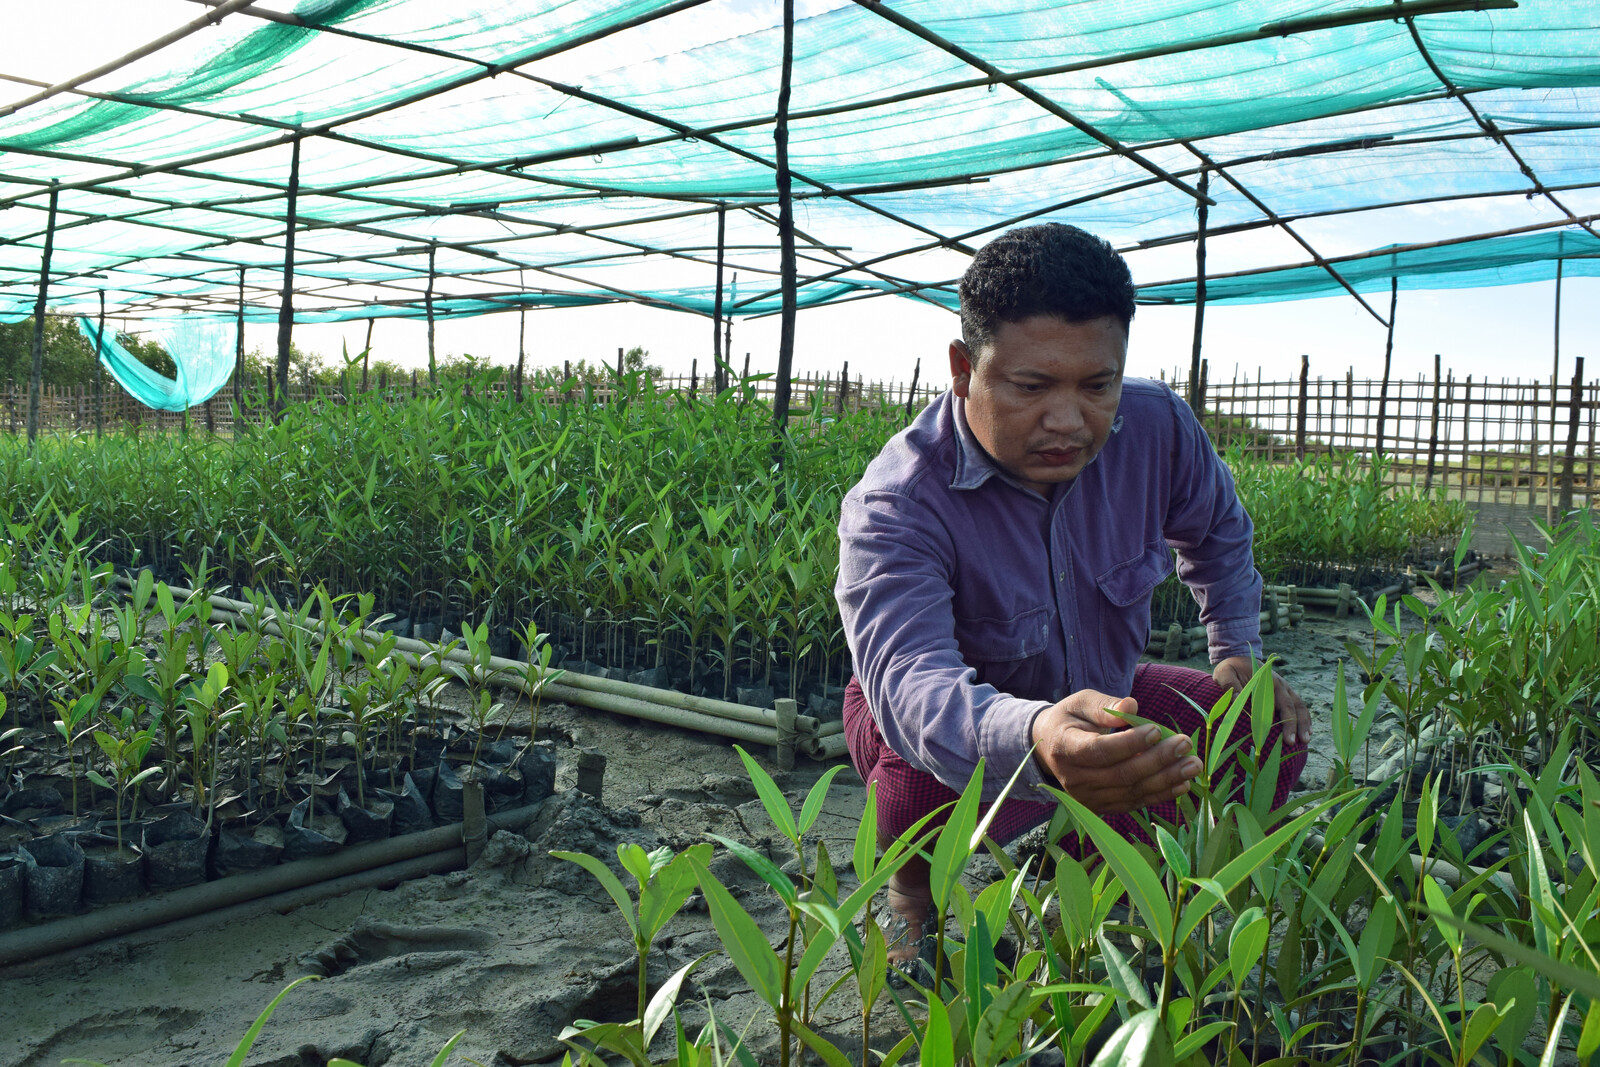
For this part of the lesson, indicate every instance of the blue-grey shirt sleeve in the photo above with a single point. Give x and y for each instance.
(895, 598)
(1209, 528)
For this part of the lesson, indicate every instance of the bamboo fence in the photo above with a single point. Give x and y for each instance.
(1513, 441)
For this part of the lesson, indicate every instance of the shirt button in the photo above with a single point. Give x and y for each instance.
(1062, 576)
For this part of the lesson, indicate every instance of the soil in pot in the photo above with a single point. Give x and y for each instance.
(54, 875)
(175, 849)
(411, 811)
(13, 889)
(311, 833)
(238, 851)
(110, 874)
(536, 765)
(370, 823)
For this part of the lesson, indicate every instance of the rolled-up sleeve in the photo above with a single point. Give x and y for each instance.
(1212, 533)
(895, 594)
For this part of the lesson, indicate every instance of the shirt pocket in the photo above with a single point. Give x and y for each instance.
(992, 640)
(1134, 580)
(1124, 623)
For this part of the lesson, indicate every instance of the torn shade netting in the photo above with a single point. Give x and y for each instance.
(202, 349)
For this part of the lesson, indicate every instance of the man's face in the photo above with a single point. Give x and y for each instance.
(1043, 395)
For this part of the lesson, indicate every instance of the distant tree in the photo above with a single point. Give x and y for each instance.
(69, 358)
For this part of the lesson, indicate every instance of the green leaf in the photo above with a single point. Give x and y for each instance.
(865, 856)
(873, 970)
(1000, 1026)
(1172, 852)
(1143, 885)
(1193, 1042)
(665, 998)
(1142, 1041)
(668, 888)
(242, 1049)
(951, 851)
(449, 1047)
(938, 1043)
(1485, 1020)
(745, 943)
(824, 1048)
(608, 881)
(1513, 989)
(1124, 979)
(1439, 905)
(636, 861)
(772, 797)
(1377, 937)
(812, 808)
(781, 883)
(1246, 942)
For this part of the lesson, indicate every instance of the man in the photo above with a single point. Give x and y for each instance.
(998, 558)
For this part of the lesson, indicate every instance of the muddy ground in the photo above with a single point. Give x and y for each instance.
(510, 950)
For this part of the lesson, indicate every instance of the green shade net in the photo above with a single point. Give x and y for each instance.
(1509, 260)
(202, 350)
(576, 151)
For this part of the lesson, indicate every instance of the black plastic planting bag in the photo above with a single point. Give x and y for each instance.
(13, 889)
(175, 851)
(237, 854)
(411, 812)
(537, 765)
(55, 876)
(308, 836)
(447, 794)
(110, 875)
(365, 823)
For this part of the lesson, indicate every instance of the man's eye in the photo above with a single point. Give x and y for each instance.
(1030, 387)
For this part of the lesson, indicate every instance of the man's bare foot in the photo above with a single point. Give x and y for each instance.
(911, 903)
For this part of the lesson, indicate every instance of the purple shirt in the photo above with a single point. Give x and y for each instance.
(972, 603)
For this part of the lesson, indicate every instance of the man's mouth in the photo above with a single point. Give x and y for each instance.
(1058, 457)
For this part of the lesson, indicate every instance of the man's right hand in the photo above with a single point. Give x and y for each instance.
(1106, 764)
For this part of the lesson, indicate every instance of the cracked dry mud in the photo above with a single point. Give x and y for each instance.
(511, 950)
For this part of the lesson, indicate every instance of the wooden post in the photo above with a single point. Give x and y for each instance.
(36, 377)
(1573, 400)
(1555, 372)
(911, 394)
(1433, 427)
(413, 384)
(780, 137)
(433, 366)
(1388, 356)
(280, 391)
(1349, 408)
(522, 327)
(366, 357)
(1533, 444)
(786, 711)
(1466, 439)
(844, 388)
(1588, 466)
(1199, 293)
(100, 372)
(694, 377)
(1300, 418)
(238, 358)
(719, 364)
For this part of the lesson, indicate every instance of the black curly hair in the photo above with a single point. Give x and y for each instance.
(1051, 269)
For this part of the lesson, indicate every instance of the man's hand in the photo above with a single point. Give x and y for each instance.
(1234, 673)
(1104, 763)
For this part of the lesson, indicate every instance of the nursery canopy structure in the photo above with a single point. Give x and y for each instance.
(411, 158)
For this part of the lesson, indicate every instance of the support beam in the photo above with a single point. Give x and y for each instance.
(1201, 206)
(280, 380)
(780, 137)
(1555, 371)
(100, 372)
(1388, 360)
(238, 360)
(36, 376)
(721, 370)
(433, 366)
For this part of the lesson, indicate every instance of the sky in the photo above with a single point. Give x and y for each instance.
(1500, 332)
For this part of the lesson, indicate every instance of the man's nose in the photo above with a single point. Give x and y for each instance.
(1064, 415)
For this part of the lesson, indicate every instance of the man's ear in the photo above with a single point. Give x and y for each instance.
(960, 368)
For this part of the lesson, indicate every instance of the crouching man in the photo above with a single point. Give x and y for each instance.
(998, 558)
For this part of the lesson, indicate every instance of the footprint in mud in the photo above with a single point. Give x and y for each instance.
(371, 942)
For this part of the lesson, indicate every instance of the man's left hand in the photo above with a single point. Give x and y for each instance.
(1234, 673)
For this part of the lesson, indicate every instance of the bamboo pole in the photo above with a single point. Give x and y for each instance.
(1388, 359)
(780, 137)
(1555, 371)
(721, 373)
(36, 375)
(1300, 415)
(100, 372)
(366, 356)
(522, 327)
(433, 368)
(238, 358)
(1568, 460)
(280, 381)
(1202, 203)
